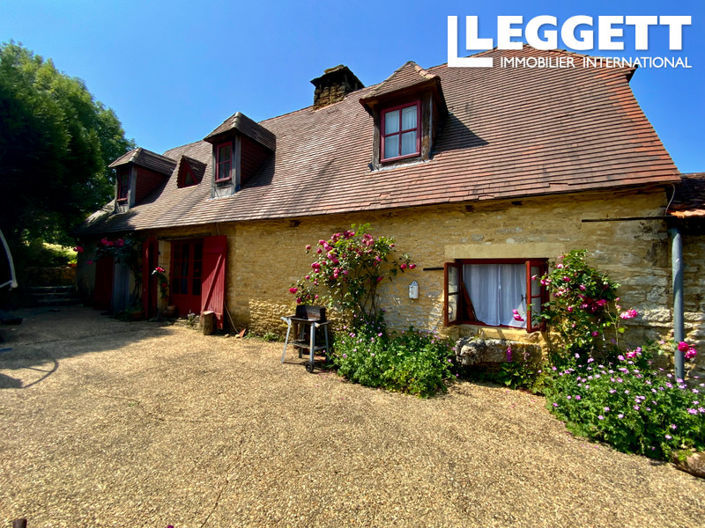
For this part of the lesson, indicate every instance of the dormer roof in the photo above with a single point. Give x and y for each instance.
(407, 80)
(239, 122)
(146, 158)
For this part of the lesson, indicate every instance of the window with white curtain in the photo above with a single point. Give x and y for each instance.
(504, 293)
(401, 132)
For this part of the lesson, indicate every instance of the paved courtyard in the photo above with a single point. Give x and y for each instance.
(113, 424)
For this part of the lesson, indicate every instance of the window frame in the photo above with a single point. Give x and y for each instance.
(529, 263)
(218, 162)
(383, 136)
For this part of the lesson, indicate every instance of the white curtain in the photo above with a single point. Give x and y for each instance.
(495, 290)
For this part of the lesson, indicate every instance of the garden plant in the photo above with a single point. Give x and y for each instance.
(345, 274)
(604, 389)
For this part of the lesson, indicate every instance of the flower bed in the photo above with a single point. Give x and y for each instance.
(415, 362)
(630, 406)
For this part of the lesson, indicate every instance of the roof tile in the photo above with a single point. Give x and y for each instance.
(509, 133)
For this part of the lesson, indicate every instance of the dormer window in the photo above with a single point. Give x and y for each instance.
(190, 172)
(401, 137)
(224, 155)
(408, 110)
(138, 174)
(240, 148)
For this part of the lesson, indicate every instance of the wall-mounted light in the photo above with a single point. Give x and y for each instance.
(414, 290)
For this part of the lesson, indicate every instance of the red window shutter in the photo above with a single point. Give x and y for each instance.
(536, 294)
(452, 286)
(213, 291)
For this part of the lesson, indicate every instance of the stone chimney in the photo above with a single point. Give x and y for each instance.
(334, 85)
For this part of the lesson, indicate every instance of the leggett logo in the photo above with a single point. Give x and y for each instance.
(541, 32)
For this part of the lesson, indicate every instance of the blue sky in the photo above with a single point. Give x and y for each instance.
(173, 70)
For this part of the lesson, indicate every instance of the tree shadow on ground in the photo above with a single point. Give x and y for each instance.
(48, 335)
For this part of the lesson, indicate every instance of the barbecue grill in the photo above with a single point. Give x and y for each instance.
(305, 323)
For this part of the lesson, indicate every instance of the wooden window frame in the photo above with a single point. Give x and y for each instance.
(461, 316)
(401, 131)
(219, 178)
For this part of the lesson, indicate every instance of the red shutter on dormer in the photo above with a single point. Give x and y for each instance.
(213, 292)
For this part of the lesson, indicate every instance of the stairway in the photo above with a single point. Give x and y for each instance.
(53, 295)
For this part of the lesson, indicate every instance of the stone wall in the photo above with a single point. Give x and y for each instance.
(266, 257)
(694, 288)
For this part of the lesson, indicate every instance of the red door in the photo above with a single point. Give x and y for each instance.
(185, 281)
(103, 291)
(214, 255)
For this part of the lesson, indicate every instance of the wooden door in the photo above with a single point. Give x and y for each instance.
(103, 291)
(185, 283)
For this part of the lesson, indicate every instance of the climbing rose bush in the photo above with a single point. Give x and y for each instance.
(584, 308)
(347, 269)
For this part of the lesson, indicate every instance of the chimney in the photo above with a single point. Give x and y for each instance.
(334, 85)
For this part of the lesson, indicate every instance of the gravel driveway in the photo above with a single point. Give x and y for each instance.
(106, 423)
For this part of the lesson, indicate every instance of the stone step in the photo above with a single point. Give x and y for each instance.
(58, 301)
(37, 290)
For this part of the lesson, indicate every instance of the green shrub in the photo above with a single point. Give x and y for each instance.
(633, 408)
(415, 362)
(518, 374)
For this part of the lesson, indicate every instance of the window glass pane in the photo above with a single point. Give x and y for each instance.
(452, 293)
(391, 146)
(408, 143)
(184, 260)
(224, 170)
(408, 117)
(496, 290)
(224, 152)
(452, 279)
(535, 311)
(535, 282)
(391, 122)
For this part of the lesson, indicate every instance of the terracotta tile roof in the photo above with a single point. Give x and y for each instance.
(510, 132)
(689, 198)
(408, 75)
(146, 158)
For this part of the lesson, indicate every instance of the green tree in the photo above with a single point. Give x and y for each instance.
(56, 142)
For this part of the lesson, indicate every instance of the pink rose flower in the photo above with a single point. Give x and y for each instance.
(293, 290)
(683, 346)
(308, 247)
(78, 249)
(412, 266)
(629, 314)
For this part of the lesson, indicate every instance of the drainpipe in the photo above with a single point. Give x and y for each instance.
(677, 285)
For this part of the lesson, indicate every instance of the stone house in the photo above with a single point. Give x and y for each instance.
(480, 174)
